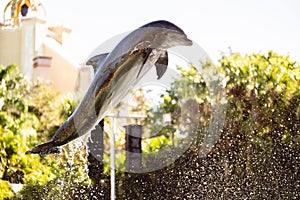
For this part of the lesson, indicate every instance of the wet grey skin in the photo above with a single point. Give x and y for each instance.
(115, 74)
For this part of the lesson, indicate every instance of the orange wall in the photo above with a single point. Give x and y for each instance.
(63, 73)
(10, 47)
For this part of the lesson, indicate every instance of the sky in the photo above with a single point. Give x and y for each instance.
(246, 26)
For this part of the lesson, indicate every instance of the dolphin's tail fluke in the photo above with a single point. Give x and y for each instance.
(46, 148)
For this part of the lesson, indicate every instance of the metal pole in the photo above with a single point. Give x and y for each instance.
(112, 151)
(112, 161)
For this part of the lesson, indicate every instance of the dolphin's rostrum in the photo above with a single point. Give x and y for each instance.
(115, 74)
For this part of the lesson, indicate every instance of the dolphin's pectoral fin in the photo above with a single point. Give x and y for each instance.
(146, 56)
(96, 60)
(161, 64)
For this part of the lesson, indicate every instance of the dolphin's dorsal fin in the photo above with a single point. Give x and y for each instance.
(161, 64)
(95, 61)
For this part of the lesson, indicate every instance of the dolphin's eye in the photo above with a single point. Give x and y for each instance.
(146, 52)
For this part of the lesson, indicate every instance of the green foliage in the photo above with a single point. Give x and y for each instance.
(257, 153)
(263, 95)
(153, 144)
(6, 190)
(261, 131)
(26, 119)
(187, 96)
(67, 107)
(70, 179)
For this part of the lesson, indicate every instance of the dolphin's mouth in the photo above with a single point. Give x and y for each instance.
(188, 42)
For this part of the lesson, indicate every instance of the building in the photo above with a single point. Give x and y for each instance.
(41, 52)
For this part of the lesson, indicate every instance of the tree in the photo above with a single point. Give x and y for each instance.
(257, 154)
(26, 119)
(261, 134)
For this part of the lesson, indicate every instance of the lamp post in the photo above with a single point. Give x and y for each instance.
(112, 161)
(112, 150)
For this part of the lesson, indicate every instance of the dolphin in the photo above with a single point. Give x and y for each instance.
(115, 74)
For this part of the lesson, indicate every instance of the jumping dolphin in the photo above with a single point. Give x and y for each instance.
(115, 74)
